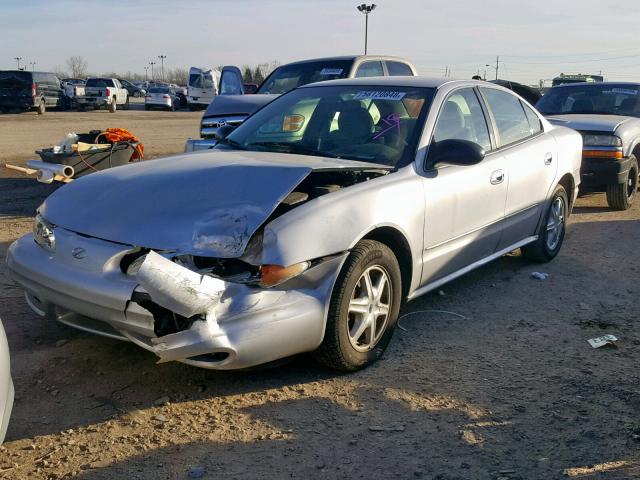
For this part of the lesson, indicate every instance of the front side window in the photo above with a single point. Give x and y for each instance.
(511, 121)
(370, 69)
(370, 124)
(462, 118)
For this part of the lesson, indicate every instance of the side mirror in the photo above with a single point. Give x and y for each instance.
(455, 152)
(223, 132)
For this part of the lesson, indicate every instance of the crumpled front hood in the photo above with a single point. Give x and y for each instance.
(237, 104)
(589, 122)
(205, 203)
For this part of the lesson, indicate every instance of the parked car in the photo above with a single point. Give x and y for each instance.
(73, 88)
(104, 92)
(23, 90)
(132, 89)
(162, 97)
(531, 95)
(607, 114)
(233, 109)
(307, 226)
(6, 384)
(205, 84)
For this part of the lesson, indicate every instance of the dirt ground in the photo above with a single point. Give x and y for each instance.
(512, 391)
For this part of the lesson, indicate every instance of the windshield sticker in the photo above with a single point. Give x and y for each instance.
(392, 121)
(625, 91)
(331, 71)
(379, 95)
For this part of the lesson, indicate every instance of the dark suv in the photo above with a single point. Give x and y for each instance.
(22, 90)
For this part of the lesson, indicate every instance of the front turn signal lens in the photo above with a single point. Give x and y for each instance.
(272, 275)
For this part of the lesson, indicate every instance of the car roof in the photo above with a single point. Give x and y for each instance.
(421, 82)
(564, 85)
(348, 58)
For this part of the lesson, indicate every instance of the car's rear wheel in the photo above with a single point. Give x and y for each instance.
(620, 196)
(126, 104)
(41, 108)
(552, 229)
(363, 308)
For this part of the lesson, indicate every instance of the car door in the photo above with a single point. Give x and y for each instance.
(532, 163)
(464, 205)
(231, 81)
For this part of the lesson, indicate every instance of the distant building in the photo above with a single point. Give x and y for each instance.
(576, 78)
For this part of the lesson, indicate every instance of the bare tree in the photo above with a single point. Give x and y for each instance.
(78, 66)
(60, 72)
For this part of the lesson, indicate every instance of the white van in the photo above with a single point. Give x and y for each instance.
(205, 84)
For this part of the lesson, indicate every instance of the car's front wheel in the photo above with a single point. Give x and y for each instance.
(363, 308)
(620, 195)
(552, 229)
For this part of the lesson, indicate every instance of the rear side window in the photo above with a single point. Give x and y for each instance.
(511, 121)
(534, 120)
(370, 69)
(399, 69)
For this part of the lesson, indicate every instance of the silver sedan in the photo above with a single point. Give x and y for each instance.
(306, 228)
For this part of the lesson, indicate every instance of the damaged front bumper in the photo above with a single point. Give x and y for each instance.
(81, 285)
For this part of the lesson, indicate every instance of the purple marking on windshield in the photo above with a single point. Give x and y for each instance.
(392, 121)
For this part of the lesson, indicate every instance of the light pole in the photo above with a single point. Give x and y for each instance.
(146, 77)
(33, 66)
(162, 57)
(496, 68)
(17, 59)
(152, 64)
(366, 9)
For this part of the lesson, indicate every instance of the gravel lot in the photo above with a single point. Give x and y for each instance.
(512, 391)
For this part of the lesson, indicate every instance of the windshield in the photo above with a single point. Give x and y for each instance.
(288, 77)
(598, 99)
(370, 124)
(201, 80)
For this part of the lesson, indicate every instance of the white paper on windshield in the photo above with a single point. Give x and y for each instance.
(379, 95)
(331, 71)
(625, 91)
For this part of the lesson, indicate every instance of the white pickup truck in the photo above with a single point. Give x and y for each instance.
(103, 92)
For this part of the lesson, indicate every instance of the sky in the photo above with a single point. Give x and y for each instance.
(534, 40)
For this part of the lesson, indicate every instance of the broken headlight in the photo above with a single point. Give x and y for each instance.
(273, 275)
(43, 233)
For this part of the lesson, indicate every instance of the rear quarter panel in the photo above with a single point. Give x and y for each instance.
(569, 144)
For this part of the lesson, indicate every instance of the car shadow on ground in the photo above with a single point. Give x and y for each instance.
(21, 196)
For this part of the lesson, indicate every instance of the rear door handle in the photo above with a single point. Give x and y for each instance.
(548, 158)
(497, 177)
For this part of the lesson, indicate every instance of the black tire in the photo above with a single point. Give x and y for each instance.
(147, 107)
(41, 108)
(80, 108)
(543, 250)
(113, 105)
(173, 106)
(620, 196)
(337, 350)
(126, 104)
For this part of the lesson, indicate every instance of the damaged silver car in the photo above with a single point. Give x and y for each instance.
(307, 226)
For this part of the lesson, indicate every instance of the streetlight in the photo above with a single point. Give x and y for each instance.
(366, 9)
(152, 64)
(146, 78)
(17, 59)
(162, 57)
(33, 66)
(496, 68)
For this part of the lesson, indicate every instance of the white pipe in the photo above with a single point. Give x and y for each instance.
(56, 168)
(45, 176)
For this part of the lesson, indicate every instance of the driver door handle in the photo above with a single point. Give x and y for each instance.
(497, 177)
